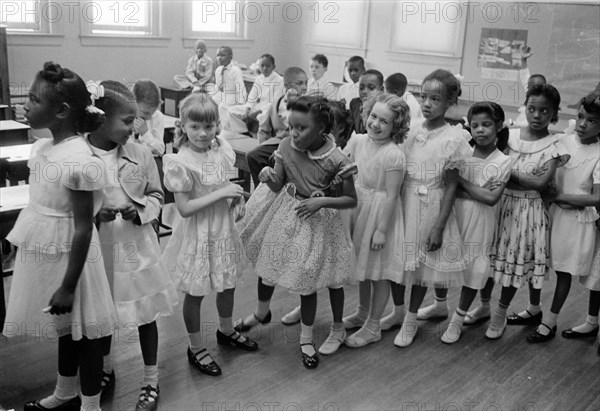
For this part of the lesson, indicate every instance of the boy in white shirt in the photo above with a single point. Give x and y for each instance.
(348, 91)
(229, 86)
(267, 86)
(319, 83)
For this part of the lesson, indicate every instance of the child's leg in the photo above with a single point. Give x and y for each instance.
(364, 299)
(263, 312)
(108, 373)
(149, 345)
(395, 318)
(533, 313)
(89, 355)
(337, 333)
(308, 306)
(197, 354)
(563, 286)
(66, 382)
(498, 323)
(454, 330)
(407, 333)
(591, 322)
(439, 308)
(483, 311)
(226, 334)
(371, 330)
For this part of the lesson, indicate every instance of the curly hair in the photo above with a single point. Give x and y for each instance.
(401, 115)
(317, 107)
(449, 81)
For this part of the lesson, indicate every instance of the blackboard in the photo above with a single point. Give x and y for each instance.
(564, 37)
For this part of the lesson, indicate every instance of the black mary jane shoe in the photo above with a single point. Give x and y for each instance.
(107, 384)
(516, 319)
(236, 341)
(573, 335)
(240, 326)
(535, 337)
(309, 361)
(74, 404)
(212, 368)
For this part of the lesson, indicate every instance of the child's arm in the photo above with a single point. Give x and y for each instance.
(434, 239)
(347, 199)
(154, 197)
(190, 70)
(579, 200)
(153, 137)
(207, 73)
(393, 182)
(188, 206)
(482, 194)
(274, 178)
(265, 128)
(83, 220)
(536, 181)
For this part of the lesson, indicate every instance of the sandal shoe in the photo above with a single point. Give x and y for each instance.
(535, 337)
(236, 341)
(516, 319)
(148, 399)
(240, 326)
(309, 361)
(572, 334)
(212, 368)
(74, 404)
(107, 383)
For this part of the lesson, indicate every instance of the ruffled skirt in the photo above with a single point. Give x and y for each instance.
(303, 255)
(520, 248)
(443, 267)
(141, 286)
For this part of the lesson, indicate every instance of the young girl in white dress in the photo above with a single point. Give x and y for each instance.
(59, 263)
(203, 253)
(475, 206)
(141, 286)
(377, 223)
(573, 213)
(299, 241)
(433, 246)
(520, 251)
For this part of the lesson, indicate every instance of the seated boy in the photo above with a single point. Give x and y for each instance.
(274, 125)
(396, 84)
(229, 86)
(198, 71)
(370, 85)
(267, 86)
(319, 83)
(348, 91)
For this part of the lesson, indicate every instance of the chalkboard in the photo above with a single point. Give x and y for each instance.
(565, 40)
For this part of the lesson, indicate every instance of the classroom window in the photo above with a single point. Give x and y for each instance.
(121, 18)
(28, 17)
(216, 19)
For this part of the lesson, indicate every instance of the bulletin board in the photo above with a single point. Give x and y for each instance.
(565, 40)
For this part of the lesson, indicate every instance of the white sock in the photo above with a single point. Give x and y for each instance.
(150, 375)
(107, 365)
(440, 302)
(196, 343)
(66, 388)
(533, 309)
(306, 337)
(485, 303)
(226, 325)
(91, 403)
(590, 324)
(549, 320)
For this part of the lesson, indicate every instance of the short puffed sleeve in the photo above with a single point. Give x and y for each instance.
(394, 159)
(457, 148)
(228, 153)
(596, 173)
(178, 178)
(342, 165)
(557, 150)
(350, 148)
(83, 173)
(505, 167)
(40, 146)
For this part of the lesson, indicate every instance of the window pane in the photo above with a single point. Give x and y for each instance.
(217, 17)
(121, 14)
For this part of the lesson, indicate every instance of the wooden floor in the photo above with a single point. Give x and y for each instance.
(473, 374)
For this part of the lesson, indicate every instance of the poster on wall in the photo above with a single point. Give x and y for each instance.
(500, 53)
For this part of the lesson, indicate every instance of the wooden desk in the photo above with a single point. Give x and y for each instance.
(175, 94)
(13, 133)
(241, 146)
(5, 112)
(13, 164)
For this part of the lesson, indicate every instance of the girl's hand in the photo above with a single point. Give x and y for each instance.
(61, 301)
(238, 208)
(378, 240)
(107, 214)
(493, 184)
(140, 125)
(267, 174)
(540, 171)
(233, 191)
(308, 207)
(434, 240)
(128, 212)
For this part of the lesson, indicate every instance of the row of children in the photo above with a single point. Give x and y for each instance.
(402, 220)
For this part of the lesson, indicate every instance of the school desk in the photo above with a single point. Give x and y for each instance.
(13, 163)
(13, 133)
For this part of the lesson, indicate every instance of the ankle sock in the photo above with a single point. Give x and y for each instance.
(306, 337)
(549, 320)
(590, 324)
(226, 325)
(66, 389)
(90, 403)
(107, 365)
(150, 375)
(533, 309)
(196, 343)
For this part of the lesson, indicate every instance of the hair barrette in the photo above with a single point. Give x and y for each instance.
(96, 91)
